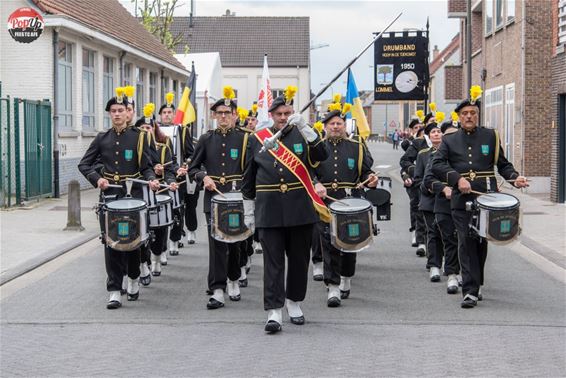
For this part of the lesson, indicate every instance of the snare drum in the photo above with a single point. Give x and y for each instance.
(380, 197)
(351, 227)
(497, 217)
(227, 218)
(125, 224)
(162, 214)
(149, 196)
(176, 197)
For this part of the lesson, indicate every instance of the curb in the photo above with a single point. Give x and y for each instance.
(51, 254)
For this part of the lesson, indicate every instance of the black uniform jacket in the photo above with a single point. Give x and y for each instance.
(219, 154)
(281, 200)
(409, 158)
(349, 163)
(426, 202)
(116, 157)
(406, 143)
(472, 155)
(162, 153)
(433, 185)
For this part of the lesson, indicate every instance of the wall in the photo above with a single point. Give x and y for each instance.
(440, 81)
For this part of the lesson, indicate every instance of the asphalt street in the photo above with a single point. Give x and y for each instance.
(54, 320)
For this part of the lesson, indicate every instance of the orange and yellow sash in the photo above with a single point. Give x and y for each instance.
(283, 155)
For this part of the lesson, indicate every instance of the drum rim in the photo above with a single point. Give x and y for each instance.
(141, 206)
(340, 211)
(163, 199)
(488, 207)
(225, 197)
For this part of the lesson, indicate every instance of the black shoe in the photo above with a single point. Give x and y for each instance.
(248, 270)
(112, 305)
(452, 290)
(145, 281)
(414, 244)
(209, 292)
(318, 277)
(344, 294)
(298, 320)
(181, 245)
(173, 253)
(468, 303)
(243, 283)
(122, 291)
(435, 279)
(258, 251)
(480, 297)
(156, 274)
(133, 297)
(164, 264)
(235, 298)
(272, 326)
(213, 304)
(421, 252)
(333, 302)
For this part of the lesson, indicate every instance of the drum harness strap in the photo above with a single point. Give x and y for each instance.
(283, 187)
(120, 178)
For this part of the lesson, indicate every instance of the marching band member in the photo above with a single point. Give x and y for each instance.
(434, 246)
(122, 152)
(466, 161)
(217, 163)
(164, 166)
(407, 163)
(285, 201)
(348, 165)
(252, 124)
(316, 248)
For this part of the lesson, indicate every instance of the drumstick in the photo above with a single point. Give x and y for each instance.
(166, 164)
(480, 193)
(367, 180)
(219, 192)
(115, 186)
(165, 189)
(337, 200)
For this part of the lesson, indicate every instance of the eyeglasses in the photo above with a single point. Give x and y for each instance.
(224, 114)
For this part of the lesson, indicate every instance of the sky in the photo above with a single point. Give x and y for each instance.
(346, 26)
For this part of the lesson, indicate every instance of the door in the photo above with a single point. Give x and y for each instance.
(38, 152)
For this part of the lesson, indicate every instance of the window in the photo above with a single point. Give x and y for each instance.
(494, 109)
(127, 74)
(277, 92)
(88, 89)
(488, 17)
(562, 22)
(152, 88)
(510, 10)
(174, 90)
(65, 85)
(140, 73)
(164, 87)
(509, 120)
(498, 14)
(107, 86)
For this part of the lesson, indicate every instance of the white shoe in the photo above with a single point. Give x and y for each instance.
(155, 265)
(317, 271)
(274, 321)
(124, 284)
(293, 308)
(115, 300)
(234, 290)
(133, 289)
(421, 250)
(249, 263)
(144, 270)
(173, 248)
(345, 285)
(163, 258)
(191, 237)
(333, 299)
(434, 274)
(452, 284)
(257, 247)
(218, 294)
(243, 274)
(414, 239)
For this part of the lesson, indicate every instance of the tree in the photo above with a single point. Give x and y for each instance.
(157, 16)
(384, 70)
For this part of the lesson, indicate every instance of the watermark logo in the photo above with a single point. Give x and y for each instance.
(25, 25)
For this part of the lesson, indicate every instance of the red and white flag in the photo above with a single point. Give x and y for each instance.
(265, 97)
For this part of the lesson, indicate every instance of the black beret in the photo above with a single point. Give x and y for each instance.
(222, 102)
(430, 127)
(114, 101)
(413, 123)
(142, 121)
(165, 106)
(335, 113)
(446, 125)
(427, 117)
(420, 132)
(465, 103)
(279, 101)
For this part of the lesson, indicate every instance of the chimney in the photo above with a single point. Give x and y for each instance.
(229, 14)
(435, 52)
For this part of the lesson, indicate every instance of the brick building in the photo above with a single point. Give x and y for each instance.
(445, 76)
(511, 58)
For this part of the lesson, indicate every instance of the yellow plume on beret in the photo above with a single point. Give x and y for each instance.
(347, 107)
(337, 97)
(228, 92)
(169, 97)
(475, 93)
(290, 92)
(432, 107)
(129, 91)
(318, 126)
(148, 109)
(242, 114)
(439, 117)
(420, 115)
(254, 108)
(334, 106)
(119, 94)
(454, 116)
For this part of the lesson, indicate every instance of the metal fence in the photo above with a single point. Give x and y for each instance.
(36, 160)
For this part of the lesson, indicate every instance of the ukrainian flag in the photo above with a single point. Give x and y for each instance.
(357, 112)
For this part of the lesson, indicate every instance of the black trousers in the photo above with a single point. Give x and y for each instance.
(316, 247)
(295, 243)
(246, 250)
(191, 202)
(450, 242)
(417, 220)
(336, 262)
(434, 247)
(472, 252)
(159, 244)
(177, 228)
(223, 261)
(119, 263)
(145, 253)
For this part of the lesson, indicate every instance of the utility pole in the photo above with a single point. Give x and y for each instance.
(469, 42)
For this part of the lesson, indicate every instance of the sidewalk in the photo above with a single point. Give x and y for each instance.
(33, 235)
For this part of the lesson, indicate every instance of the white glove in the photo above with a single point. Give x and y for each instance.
(263, 124)
(306, 131)
(249, 214)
